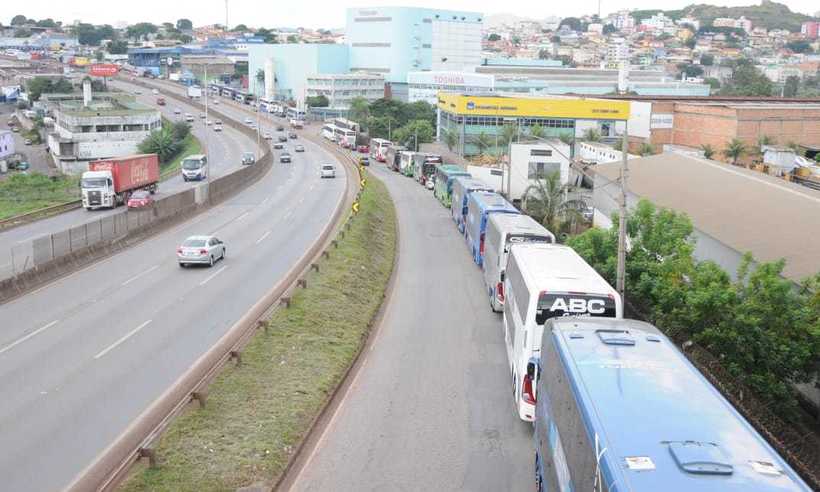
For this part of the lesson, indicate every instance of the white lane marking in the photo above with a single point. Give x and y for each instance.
(124, 338)
(263, 237)
(242, 216)
(135, 277)
(23, 339)
(213, 275)
(290, 212)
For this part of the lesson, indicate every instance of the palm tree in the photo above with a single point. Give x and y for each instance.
(618, 145)
(537, 131)
(765, 140)
(592, 135)
(708, 151)
(450, 138)
(567, 137)
(508, 134)
(359, 110)
(545, 200)
(646, 149)
(483, 141)
(160, 142)
(734, 150)
(260, 76)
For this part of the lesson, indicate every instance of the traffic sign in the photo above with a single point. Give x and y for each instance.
(355, 207)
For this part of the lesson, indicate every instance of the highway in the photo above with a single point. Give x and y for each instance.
(430, 407)
(81, 357)
(225, 150)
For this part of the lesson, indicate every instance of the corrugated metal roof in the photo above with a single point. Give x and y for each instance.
(744, 209)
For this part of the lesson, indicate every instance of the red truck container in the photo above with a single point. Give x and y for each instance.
(131, 172)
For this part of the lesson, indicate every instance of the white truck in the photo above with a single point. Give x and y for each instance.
(194, 92)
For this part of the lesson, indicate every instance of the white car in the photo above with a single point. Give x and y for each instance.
(248, 121)
(177, 111)
(328, 171)
(203, 250)
(154, 92)
(267, 136)
(217, 127)
(216, 102)
(189, 117)
(208, 122)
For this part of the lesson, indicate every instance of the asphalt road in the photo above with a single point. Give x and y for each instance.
(80, 358)
(430, 407)
(225, 151)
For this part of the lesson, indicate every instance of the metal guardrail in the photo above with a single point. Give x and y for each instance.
(112, 465)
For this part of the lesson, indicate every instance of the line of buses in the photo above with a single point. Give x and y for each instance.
(275, 107)
(615, 405)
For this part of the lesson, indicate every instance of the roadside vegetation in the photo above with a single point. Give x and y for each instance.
(23, 193)
(258, 412)
(764, 330)
(409, 124)
(171, 143)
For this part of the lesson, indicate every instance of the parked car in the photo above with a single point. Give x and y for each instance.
(160, 101)
(284, 157)
(363, 149)
(248, 158)
(299, 148)
(283, 138)
(204, 250)
(278, 145)
(328, 171)
(140, 199)
(216, 102)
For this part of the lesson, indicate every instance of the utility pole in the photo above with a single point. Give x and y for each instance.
(258, 129)
(207, 96)
(226, 15)
(621, 273)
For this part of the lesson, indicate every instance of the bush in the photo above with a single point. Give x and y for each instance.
(765, 331)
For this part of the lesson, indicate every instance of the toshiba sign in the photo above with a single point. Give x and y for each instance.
(104, 70)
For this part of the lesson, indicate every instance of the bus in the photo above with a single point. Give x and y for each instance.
(480, 206)
(344, 137)
(346, 124)
(267, 105)
(378, 148)
(504, 230)
(294, 114)
(543, 281)
(407, 162)
(445, 174)
(393, 156)
(242, 97)
(620, 408)
(462, 187)
(426, 167)
(329, 131)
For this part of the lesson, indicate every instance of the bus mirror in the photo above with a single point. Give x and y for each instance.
(532, 369)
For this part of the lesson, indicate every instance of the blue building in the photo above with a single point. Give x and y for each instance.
(292, 63)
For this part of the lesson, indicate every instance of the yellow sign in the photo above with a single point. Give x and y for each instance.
(355, 207)
(362, 182)
(537, 107)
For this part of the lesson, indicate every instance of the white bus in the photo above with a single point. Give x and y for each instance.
(266, 105)
(346, 124)
(329, 131)
(378, 148)
(544, 281)
(503, 231)
(344, 137)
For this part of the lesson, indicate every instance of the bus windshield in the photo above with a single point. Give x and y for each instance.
(191, 164)
(553, 305)
(524, 238)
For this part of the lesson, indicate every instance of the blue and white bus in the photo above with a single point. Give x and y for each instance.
(480, 204)
(462, 187)
(619, 408)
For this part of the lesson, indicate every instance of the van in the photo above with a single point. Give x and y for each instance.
(462, 187)
(480, 205)
(544, 281)
(194, 167)
(503, 231)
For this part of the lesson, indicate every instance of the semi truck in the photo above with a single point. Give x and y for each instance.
(109, 182)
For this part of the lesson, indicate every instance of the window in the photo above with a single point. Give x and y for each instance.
(541, 152)
(518, 288)
(540, 170)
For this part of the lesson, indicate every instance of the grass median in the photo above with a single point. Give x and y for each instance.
(23, 193)
(257, 413)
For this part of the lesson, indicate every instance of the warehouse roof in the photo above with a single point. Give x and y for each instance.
(746, 210)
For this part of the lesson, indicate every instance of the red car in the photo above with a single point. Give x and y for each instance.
(363, 149)
(140, 199)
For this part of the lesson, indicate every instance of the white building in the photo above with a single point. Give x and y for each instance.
(658, 22)
(741, 23)
(622, 21)
(340, 89)
(617, 54)
(425, 86)
(456, 45)
(108, 125)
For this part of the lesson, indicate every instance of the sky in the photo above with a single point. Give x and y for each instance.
(322, 13)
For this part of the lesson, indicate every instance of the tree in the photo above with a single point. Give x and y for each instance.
(240, 28)
(22, 33)
(734, 150)
(267, 35)
(381, 126)
(414, 133)
(646, 149)
(42, 85)
(18, 20)
(359, 110)
(320, 101)
(573, 23)
(118, 47)
(545, 200)
(162, 143)
(691, 43)
(99, 55)
(292, 38)
(537, 131)
(180, 130)
(609, 29)
(690, 70)
(140, 30)
(707, 60)
(592, 135)
(260, 76)
(509, 133)
(791, 86)
(47, 23)
(185, 24)
(708, 151)
(765, 140)
(493, 37)
(450, 138)
(714, 83)
(483, 141)
(800, 46)
(747, 80)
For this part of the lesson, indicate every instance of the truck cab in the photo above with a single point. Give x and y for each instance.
(98, 190)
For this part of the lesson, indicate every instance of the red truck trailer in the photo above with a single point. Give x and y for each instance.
(109, 182)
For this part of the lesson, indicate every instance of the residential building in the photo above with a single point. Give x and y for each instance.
(617, 54)
(811, 29)
(658, 22)
(396, 40)
(99, 127)
(340, 89)
(293, 63)
(470, 116)
(622, 21)
(741, 23)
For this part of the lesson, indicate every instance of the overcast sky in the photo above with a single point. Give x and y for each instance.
(318, 13)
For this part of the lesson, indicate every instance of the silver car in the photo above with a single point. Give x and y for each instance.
(203, 250)
(328, 171)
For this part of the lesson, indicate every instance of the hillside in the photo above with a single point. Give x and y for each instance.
(768, 14)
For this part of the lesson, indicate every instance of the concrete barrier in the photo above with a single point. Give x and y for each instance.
(61, 243)
(93, 232)
(42, 250)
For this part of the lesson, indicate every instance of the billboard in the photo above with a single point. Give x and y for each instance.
(104, 70)
(545, 107)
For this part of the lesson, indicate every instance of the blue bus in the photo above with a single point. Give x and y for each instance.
(619, 408)
(445, 174)
(462, 187)
(480, 204)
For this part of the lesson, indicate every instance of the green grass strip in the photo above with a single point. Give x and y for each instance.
(257, 413)
(23, 193)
